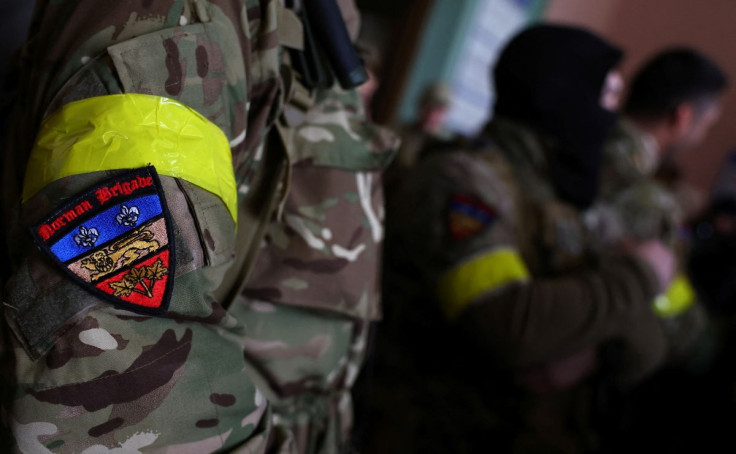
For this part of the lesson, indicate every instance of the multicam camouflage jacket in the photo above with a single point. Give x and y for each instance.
(635, 207)
(632, 203)
(490, 272)
(148, 172)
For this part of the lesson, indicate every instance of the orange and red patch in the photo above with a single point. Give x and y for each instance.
(468, 216)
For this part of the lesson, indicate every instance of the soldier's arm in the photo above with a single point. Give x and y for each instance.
(531, 321)
(118, 76)
(490, 291)
(648, 211)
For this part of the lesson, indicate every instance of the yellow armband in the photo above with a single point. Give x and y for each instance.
(460, 286)
(131, 131)
(679, 297)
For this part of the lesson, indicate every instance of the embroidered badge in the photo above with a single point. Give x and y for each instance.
(468, 216)
(115, 240)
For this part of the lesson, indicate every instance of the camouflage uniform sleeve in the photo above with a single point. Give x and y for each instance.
(647, 211)
(629, 155)
(548, 319)
(485, 282)
(635, 207)
(314, 287)
(266, 370)
(80, 374)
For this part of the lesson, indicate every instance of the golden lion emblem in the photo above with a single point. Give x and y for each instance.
(120, 253)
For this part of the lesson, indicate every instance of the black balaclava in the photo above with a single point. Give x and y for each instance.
(550, 78)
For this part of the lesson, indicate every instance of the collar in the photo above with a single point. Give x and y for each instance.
(645, 153)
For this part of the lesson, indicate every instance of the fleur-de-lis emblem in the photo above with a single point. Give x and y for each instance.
(127, 216)
(86, 237)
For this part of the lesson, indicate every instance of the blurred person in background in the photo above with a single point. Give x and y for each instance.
(416, 137)
(506, 325)
(673, 102)
(423, 136)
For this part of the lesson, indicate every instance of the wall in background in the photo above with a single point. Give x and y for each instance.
(442, 37)
(644, 27)
(494, 23)
(459, 43)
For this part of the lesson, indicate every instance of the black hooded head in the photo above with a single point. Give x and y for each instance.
(550, 79)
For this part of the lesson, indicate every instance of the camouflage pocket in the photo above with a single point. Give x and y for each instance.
(325, 250)
(200, 65)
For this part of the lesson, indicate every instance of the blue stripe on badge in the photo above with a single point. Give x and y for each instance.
(478, 213)
(110, 224)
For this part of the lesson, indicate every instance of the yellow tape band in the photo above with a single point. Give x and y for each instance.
(130, 131)
(459, 287)
(679, 297)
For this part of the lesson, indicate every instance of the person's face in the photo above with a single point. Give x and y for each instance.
(432, 118)
(613, 87)
(697, 128)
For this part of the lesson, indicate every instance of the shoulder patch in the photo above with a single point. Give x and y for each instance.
(468, 216)
(115, 240)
